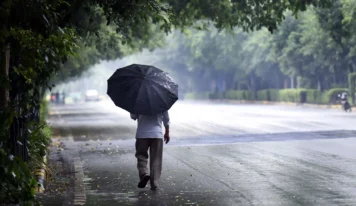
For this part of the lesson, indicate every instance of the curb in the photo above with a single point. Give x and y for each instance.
(41, 176)
(322, 106)
(79, 187)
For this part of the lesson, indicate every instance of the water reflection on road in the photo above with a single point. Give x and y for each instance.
(219, 155)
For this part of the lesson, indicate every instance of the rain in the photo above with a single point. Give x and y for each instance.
(221, 153)
(171, 102)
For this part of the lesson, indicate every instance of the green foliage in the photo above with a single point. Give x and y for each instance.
(331, 96)
(312, 96)
(17, 183)
(217, 95)
(263, 95)
(238, 95)
(39, 136)
(290, 95)
(122, 26)
(38, 141)
(352, 86)
(41, 57)
(268, 95)
(273, 94)
(44, 111)
(44, 34)
(17, 179)
(317, 51)
(246, 14)
(197, 95)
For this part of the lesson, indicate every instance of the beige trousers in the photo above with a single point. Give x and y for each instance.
(155, 146)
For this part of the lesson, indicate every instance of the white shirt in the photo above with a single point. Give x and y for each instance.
(150, 126)
(343, 95)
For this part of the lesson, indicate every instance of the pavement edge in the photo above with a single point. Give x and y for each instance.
(79, 188)
(41, 175)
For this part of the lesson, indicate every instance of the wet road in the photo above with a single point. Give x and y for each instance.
(219, 155)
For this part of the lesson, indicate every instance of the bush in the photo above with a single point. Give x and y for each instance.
(43, 111)
(273, 95)
(238, 95)
(263, 95)
(217, 95)
(302, 95)
(314, 96)
(268, 95)
(330, 97)
(16, 181)
(352, 86)
(290, 95)
(196, 95)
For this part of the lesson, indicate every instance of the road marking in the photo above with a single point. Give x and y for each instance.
(79, 189)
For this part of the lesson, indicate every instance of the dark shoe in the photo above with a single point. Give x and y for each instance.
(154, 188)
(143, 182)
(153, 185)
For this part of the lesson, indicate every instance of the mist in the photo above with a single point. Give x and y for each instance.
(96, 76)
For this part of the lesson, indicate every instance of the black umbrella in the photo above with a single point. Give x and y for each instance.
(142, 89)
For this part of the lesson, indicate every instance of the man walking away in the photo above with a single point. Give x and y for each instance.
(149, 137)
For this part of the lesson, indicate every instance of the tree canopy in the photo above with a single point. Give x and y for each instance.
(315, 50)
(41, 38)
(124, 27)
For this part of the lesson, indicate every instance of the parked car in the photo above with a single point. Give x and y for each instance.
(92, 95)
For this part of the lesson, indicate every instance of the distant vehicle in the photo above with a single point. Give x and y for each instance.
(53, 97)
(344, 102)
(57, 98)
(92, 95)
(75, 96)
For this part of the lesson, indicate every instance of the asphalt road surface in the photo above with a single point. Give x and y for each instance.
(220, 154)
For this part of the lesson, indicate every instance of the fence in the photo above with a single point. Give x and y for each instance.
(19, 133)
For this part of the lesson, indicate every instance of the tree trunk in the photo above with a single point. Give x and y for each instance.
(4, 72)
(252, 85)
(299, 82)
(277, 82)
(285, 83)
(292, 82)
(319, 84)
(351, 68)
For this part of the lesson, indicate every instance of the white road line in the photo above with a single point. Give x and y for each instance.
(79, 188)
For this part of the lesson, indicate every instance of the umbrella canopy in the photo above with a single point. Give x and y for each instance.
(142, 89)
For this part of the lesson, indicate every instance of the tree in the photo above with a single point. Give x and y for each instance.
(41, 35)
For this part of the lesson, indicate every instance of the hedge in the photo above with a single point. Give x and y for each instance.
(216, 95)
(197, 95)
(330, 96)
(311, 96)
(352, 86)
(239, 95)
(289, 95)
